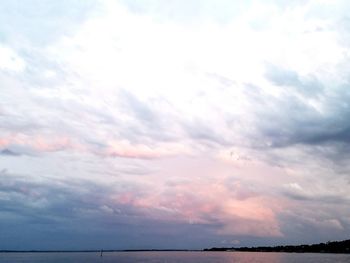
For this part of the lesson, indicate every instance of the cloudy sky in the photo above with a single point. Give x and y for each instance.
(173, 124)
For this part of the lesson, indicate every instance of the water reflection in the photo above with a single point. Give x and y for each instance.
(174, 257)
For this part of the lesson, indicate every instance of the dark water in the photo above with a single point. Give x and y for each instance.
(172, 257)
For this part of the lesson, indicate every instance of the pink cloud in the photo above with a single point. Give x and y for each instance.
(115, 148)
(199, 190)
(4, 142)
(40, 143)
(208, 201)
(51, 145)
(253, 217)
(125, 149)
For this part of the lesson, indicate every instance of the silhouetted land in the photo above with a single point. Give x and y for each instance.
(329, 247)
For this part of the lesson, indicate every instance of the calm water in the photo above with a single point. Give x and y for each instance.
(172, 257)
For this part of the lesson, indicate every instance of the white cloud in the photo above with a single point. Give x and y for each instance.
(10, 60)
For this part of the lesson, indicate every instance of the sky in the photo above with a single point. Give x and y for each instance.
(173, 124)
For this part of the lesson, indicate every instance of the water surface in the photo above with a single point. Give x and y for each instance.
(174, 257)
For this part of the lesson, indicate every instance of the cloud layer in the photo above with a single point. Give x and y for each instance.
(206, 122)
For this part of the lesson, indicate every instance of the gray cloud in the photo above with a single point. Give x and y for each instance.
(307, 86)
(312, 225)
(33, 211)
(201, 131)
(146, 120)
(317, 198)
(9, 152)
(140, 110)
(288, 120)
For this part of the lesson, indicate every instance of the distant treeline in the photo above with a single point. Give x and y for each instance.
(329, 247)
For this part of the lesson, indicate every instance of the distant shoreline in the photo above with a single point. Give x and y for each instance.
(159, 250)
(98, 251)
(338, 247)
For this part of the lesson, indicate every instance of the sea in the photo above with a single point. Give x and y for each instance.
(172, 257)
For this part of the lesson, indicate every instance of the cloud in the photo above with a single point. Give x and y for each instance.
(228, 120)
(306, 85)
(8, 152)
(312, 226)
(35, 144)
(10, 60)
(296, 192)
(40, 23)
(51, 202)
(302, 122)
